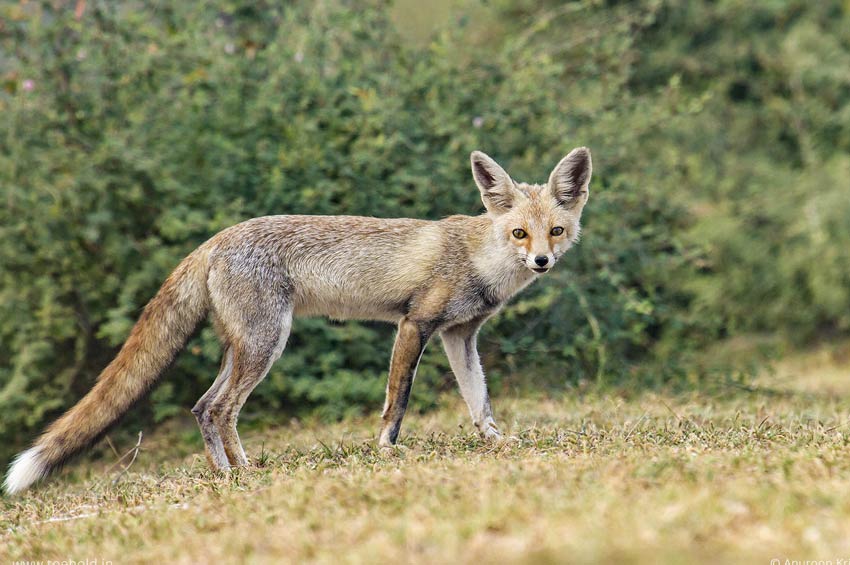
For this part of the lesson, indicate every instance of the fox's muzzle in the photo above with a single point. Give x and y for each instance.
(540, 263)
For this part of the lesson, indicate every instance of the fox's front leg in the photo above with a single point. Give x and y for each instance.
(409, 345)
(460, 343)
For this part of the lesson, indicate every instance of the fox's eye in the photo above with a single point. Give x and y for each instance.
(519, 234)
(557, 230)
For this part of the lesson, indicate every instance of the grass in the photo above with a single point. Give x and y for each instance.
(744, 476)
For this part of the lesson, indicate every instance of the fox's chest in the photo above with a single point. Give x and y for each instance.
(480, 297)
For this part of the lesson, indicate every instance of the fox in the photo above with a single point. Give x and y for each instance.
(443, 277)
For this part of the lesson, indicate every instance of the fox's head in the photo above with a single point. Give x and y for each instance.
(540, 221)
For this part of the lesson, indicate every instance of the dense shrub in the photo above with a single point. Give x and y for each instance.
(757, 149)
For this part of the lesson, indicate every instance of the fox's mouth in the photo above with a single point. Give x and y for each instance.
(540, 270)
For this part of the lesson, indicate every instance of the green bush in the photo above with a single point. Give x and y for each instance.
(735, 122)
(133, 132)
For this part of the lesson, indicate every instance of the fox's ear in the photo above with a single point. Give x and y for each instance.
(570, 180)
(497, 188)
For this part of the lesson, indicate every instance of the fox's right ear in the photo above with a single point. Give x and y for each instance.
(497, 188)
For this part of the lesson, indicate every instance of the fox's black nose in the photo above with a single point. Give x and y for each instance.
(541, 260)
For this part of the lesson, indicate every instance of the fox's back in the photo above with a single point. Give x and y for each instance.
(339, 266)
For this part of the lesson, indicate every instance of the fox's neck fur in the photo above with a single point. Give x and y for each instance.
(496, 261)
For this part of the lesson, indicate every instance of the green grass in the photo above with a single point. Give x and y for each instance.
(743, 476)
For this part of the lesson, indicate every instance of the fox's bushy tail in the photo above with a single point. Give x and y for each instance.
(161, 332)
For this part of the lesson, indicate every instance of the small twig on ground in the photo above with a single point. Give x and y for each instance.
(833, 428)
(111, 446)
(134, 452)
(667, 406)
(635, 427)
(84, 515)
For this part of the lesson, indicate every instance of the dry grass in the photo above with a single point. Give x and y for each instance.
(749, 476)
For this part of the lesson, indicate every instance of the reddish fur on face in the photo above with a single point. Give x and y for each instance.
(536, 214)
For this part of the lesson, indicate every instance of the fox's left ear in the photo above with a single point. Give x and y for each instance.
(570, 180)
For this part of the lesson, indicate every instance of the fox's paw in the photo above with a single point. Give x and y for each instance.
(392, 449)
(490, 431)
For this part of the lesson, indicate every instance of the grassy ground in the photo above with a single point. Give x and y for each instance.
(748, 476)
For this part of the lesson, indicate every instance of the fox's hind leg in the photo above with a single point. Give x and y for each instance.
(253, 355)
(212, 439)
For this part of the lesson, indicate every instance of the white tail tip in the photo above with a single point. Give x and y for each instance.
(26, 469)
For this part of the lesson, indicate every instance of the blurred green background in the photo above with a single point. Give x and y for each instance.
(717, 233)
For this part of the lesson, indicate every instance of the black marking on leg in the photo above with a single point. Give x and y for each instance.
(395, 427)
(401, 400)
